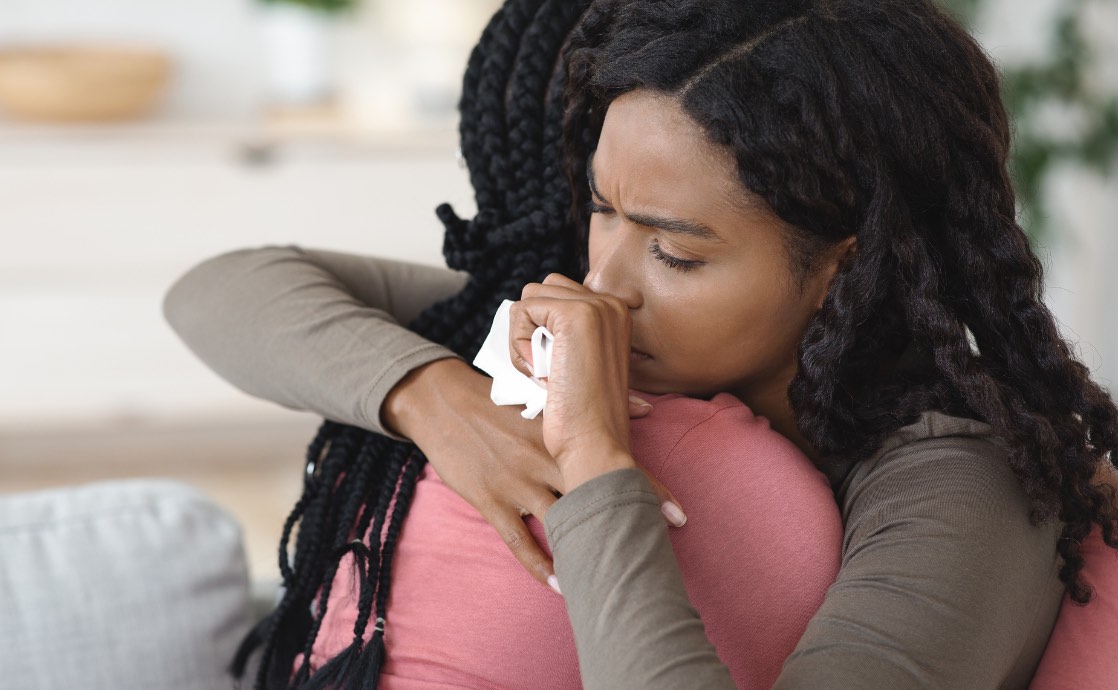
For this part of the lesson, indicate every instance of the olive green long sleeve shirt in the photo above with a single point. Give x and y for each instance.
(944, 582)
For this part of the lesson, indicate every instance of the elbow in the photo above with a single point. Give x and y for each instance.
(200, 295)
(194, 292)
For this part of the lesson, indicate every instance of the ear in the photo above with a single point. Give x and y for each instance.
(838, 255)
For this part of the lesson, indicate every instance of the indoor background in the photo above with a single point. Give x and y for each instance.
(333, 126)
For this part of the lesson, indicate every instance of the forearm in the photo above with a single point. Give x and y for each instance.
(309, 330)
(441, 384)
(634, 626)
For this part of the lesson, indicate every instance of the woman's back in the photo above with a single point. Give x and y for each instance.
(761, 546)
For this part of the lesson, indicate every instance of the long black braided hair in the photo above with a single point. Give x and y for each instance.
(877, 118)
(359, 483)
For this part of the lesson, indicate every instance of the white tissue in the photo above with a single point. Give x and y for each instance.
(510, 387)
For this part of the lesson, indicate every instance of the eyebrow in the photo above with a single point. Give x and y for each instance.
(678, 226)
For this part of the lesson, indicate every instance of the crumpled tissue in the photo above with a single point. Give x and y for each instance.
(510, 387)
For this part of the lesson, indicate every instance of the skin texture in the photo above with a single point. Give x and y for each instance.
(690, 290)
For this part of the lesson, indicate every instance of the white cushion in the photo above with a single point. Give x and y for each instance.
(119, 584)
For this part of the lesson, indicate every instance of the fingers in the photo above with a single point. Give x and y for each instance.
(559, 308)
(524, 548)
(558, 286)
(525, 317)
(520, 343)
(638, 407)
(563, 281)
(542, 504)
(669, 506)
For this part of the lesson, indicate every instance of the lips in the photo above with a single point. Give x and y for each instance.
(634, 353)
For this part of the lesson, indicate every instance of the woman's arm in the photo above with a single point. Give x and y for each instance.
(633, 623)
(320, 331)
(944, 582)
(309, 329)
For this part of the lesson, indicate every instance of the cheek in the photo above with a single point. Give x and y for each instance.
(693, 316)
(726, 326)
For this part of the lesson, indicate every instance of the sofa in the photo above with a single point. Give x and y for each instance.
(119, 585)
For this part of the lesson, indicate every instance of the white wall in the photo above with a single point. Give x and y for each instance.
(214, 43)
(392, 56)
(1080, 244)
(95, 222)
(92, 243)
(1082, 263)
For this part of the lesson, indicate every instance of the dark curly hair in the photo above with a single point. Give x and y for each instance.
(879, 119)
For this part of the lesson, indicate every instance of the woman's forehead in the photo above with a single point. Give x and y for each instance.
(661, 155)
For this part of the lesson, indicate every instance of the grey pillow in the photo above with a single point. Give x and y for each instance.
(119, 584)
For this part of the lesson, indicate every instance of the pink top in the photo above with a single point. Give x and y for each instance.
(1080, 653)
(761, 546)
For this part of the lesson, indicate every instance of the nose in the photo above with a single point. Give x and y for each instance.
(614, 266)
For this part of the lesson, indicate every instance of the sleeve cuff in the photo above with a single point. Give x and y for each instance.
(601, 494)
(390, 376)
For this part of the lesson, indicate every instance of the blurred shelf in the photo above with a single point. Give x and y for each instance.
(103, 219)
(323, 133)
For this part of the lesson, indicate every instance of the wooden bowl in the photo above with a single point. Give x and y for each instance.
(81, 83)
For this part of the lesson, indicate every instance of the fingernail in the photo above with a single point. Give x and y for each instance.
(553, 582)
(639, 402)
(674, 513)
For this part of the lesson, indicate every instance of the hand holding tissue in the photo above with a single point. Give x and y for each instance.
(510, 387)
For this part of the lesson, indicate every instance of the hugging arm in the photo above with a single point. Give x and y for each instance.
(944, 583)
(321, 331)
(308, 329)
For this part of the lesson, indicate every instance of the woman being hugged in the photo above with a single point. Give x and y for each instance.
(805, 204)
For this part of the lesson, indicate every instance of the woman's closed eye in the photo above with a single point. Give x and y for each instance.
(669, 260)
(595, 207)
(673, 262)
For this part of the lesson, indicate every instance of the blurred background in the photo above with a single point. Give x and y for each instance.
(139, 137)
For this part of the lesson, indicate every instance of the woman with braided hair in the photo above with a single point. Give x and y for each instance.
(804, 204)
